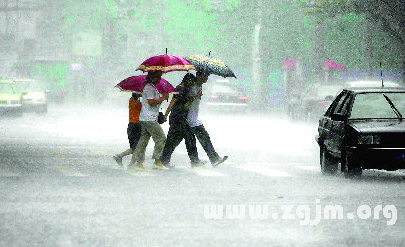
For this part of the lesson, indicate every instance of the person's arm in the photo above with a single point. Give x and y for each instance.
(169, 108)
(154, 102)
(198, 96)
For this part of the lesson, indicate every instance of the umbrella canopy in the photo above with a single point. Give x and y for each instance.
(165, 63)
(289, 64)
(210, 65)
(137, 83)
(330, 64)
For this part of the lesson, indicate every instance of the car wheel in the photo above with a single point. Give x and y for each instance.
(329, 164)
(350, 169)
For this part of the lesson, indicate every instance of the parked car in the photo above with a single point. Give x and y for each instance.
(11, 98)
(223, 96)
(36, 98)
(315, 100)
(363, 128)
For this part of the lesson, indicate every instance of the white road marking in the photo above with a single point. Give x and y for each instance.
(400, 172)
(100, 151)
(140, 173)
(227, 162)
(203, 171)
(67, 171)
(6, 172)
(264, 171)
(308, 168)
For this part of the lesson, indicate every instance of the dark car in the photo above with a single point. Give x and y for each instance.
(315, 100)
(363, 128)
(223, 96)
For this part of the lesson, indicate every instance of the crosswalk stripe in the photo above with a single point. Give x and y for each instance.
(264, 171)
(69, 172)
(100, 151)
(134, 172)
(397, 172)
(7, 173)
(308, 168)
(299, 153)
(203, 171)
(140, 173)
(227, 162)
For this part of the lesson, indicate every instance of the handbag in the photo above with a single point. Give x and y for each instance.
(161, 118)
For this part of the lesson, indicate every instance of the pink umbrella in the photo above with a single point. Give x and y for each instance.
(165, 63)
(289, 64)
(330, 64)
(138, 82)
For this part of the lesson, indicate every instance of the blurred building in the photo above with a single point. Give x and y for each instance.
(18, 22)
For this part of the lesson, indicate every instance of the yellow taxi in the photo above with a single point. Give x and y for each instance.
(11, 98)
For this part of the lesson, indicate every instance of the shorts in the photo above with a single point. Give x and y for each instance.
(134, 133)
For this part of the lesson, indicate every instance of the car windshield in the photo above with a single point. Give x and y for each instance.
(329, 90)
(31, 86)
(7, 88)
(375, 105)
(322, 92)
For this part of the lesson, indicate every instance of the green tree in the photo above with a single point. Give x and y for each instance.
(388, 17)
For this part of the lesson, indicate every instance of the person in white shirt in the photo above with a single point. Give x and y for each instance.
(196, 123)
(148, 118)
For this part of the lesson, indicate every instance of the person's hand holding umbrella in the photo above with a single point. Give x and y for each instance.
(166, 96)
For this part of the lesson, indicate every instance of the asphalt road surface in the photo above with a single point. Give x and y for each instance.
(59, 186)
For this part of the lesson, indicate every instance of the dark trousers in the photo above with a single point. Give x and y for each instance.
(205, 141)
(178, 131)
(134, 133)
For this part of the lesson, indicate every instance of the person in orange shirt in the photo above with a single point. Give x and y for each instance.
(134, 127)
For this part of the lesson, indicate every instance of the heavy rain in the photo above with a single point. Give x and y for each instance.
(282, 158)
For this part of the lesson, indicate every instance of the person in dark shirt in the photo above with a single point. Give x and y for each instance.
(179, 128)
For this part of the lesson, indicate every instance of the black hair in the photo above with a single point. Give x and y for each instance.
(149, 76)
(201, 73)
(135, 95)
(188, 77)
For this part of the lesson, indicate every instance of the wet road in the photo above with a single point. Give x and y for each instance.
(59, 186)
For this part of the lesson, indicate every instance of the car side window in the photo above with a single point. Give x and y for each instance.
(340, 103)
(335, 104)
(345, 103)
(6, 88)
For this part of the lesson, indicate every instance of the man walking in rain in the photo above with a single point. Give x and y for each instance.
(196, 124)
(148, 118)
(179, 127)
